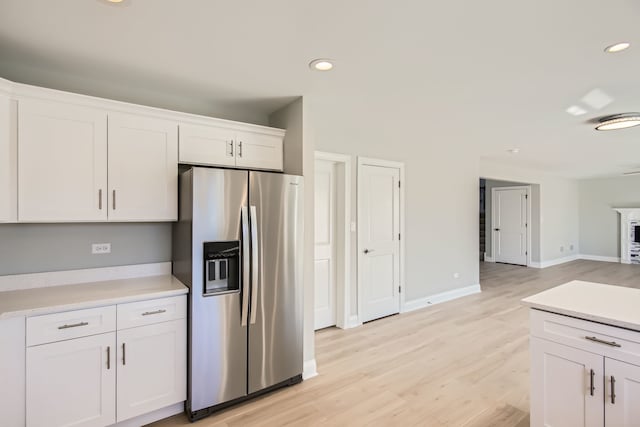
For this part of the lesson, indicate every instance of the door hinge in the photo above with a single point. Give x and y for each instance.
(399, 236)
(399, 289)
(526, 196)
(398, 184)
(526, 252)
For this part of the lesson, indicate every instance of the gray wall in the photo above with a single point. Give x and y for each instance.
(34, 248)
(599, 223)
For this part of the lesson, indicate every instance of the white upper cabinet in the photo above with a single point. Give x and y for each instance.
(259, 151)
(8, 161)
(62, 162)
(143, 168)
(206, 145)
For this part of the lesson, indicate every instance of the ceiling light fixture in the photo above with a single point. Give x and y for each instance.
(619, 121)
(618, 47)
(514, 150)
(321, 65)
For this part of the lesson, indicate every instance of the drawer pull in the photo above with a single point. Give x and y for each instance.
(613, 390)
(599, 341)
(75, 325)
(108, 357)
(592, 387)
(149, 313)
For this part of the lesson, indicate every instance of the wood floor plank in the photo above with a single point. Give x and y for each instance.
(460, 363)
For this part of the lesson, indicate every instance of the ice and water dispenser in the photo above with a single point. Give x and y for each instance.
(221, 267)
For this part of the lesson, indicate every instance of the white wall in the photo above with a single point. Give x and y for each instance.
(559, 211)
(599, 223)
(441, 187)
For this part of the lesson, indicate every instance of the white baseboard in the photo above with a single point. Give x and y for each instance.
(353, 322)
(440, 298)
(600, 258)
(309, 369)
(551, 263)
(152, 417)
(72, 277)
(488, 258)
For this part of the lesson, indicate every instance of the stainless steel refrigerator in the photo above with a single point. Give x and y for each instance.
(238, 246)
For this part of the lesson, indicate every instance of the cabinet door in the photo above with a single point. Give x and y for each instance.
(62, 162)
(566, 386)
(259, 151)
(143, 169)
(152, 367)
(72, 383)
(622, 397)
(8, 161)
(206, 145)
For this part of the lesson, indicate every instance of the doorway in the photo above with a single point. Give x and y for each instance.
(380, 221)
(332, 240)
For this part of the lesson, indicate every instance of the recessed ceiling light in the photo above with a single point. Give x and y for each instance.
(618, 47)
(514, 150)
(115, 1)
(574, 110)
(619, 121)
(321, 65)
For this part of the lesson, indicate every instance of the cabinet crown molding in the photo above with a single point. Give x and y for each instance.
(21, 90)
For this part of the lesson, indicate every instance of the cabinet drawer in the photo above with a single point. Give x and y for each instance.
(151, 311)
(70, 324)
(610, 341)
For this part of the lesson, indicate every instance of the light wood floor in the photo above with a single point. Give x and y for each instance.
(461, 363)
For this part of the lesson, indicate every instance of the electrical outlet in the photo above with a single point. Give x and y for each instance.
(561, 248)
(100, 248)
(571, 247)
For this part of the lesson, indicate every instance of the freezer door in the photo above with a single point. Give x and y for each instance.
(275, 326)
(217, 335)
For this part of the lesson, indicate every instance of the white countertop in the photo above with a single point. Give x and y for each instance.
(609, 304)
(37, 301)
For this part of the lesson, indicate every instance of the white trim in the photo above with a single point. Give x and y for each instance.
(354, 322)
(343, 285)
(488, 258)
(151, 417)
(599, 258)
(441, 297)
(363, 161)
(557, 261)
(309, 369)
(71, 277)
(21, 91)
(493, 213)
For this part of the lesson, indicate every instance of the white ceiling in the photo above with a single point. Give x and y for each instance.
(499, 73)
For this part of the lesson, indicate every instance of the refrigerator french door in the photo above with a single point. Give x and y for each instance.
(237, 246)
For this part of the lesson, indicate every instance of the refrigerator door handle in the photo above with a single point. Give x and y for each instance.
(245, 266)
(254, 264)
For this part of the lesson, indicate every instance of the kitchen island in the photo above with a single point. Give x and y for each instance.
(585, 355)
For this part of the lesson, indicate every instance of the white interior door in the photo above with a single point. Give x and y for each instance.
(379, 235)
(622, 394)
(510, 224)
(325, 249)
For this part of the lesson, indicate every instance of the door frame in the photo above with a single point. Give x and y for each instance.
(527, 188)
(367, 161)
(343, 235)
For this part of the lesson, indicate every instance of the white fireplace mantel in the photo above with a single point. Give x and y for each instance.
(627, 215)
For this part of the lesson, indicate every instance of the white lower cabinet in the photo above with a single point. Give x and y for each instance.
(151, 367)
(622, 395)
(111, 376)
(72, 383)
(577, 377)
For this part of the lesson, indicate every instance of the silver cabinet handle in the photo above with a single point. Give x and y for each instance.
(599, 341)
(613, 390)
(231, 148)
(240, 149)
(149, 313)
(246, 267)
(124, 357)
(74, 325)
(114, 199)
(254, 267)
(108, 357)
(366, 251)
(100, 199)
(592, 387)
